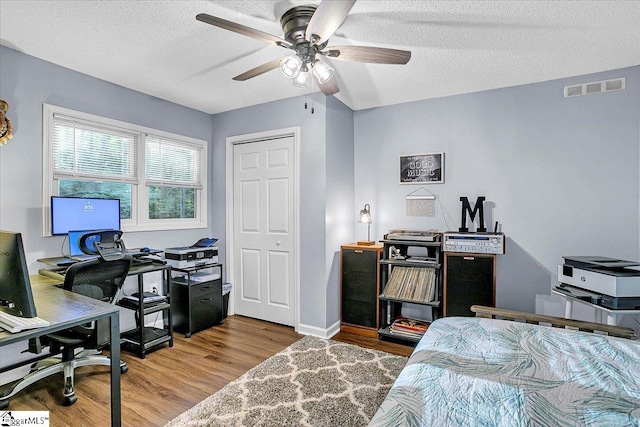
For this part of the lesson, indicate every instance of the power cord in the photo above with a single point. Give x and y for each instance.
(443, 211)
(155, 330)
(62, 246)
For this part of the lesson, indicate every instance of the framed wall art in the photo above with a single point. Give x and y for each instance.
(422, 168)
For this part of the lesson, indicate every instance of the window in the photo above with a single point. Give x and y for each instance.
(160, 178)
(172, 170)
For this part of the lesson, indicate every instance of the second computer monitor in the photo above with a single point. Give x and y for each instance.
(74, 242)
(16, 297)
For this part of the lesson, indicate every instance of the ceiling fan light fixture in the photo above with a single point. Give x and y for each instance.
(291, 65)
(307, 30)
(302, 80)
(322, 71)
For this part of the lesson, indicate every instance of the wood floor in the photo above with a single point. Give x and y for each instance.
(171, 380)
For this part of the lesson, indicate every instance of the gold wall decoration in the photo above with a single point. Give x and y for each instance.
(6, 129)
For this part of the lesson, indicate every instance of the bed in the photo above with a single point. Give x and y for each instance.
(487, 371)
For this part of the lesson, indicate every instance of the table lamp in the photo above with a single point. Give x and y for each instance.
(365, 217)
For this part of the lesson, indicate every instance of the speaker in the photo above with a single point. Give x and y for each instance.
(360, 288)
(469, 279)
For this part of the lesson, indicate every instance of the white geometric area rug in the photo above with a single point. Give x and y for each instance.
(313, 382)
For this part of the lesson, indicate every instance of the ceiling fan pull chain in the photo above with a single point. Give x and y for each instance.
(313, 81)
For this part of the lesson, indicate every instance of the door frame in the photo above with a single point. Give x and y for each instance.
(257, 137)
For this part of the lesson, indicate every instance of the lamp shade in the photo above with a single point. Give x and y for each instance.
(365, 218)
(302, 80)
(365, 215)
(291, 65)
(322, 71)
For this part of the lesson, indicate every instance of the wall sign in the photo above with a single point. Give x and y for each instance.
(422, 168)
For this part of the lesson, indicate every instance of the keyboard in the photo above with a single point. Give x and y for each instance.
(84, 257)
(15, 324)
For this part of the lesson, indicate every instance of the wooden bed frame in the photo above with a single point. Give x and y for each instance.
(556, 322)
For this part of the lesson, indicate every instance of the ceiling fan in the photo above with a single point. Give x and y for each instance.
(306, 31)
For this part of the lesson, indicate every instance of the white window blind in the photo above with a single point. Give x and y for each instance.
(172, 163)
(85, 154)
(86, 150)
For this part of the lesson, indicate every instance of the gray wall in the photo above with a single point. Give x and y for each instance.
(340, 194)
(278, 115)
(26, 83)
(326, 189)
(560, 174)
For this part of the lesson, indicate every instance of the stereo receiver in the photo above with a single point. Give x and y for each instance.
(479, 243)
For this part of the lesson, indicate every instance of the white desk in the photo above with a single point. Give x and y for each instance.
(611, 315)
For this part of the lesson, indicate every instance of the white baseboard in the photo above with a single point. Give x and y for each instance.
(319, 332)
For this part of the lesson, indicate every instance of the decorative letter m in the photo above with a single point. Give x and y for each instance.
(478, 209)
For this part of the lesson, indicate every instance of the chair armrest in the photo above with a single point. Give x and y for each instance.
(556, 322)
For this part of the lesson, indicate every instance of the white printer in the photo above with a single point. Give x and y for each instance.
(610, 282)
(200, 253)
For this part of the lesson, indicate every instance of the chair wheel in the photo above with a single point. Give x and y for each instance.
(4, 404)
(70, 400)
(124, 369)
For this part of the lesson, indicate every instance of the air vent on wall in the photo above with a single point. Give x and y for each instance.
(595, 87)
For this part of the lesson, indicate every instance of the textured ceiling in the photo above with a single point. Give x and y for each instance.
(158, 47)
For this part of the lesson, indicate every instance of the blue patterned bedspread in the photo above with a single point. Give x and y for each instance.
(483, 372)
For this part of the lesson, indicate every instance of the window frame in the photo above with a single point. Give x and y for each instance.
(140, 220)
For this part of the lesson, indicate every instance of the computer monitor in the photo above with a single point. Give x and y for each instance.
(16, 297)
(75, 251)
(83, 213)
(74, 242)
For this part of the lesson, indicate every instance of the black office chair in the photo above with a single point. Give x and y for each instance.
(98, 279)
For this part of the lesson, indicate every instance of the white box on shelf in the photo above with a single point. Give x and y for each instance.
(202, 276)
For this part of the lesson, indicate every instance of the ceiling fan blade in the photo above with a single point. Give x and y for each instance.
(260, 69)
(330, 87)
(376, 55)
(329, 15)
(242, 29)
